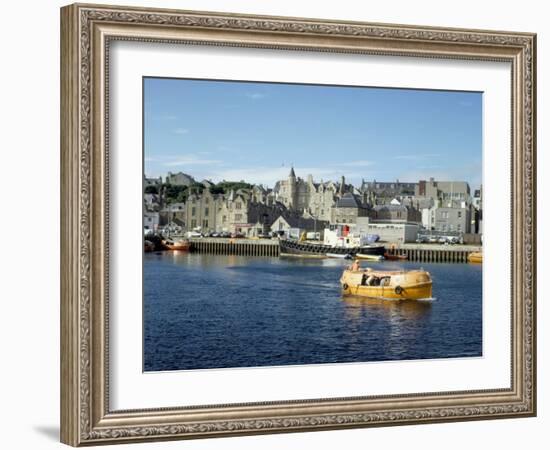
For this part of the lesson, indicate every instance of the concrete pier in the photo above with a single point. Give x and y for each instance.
(225, 246)
(434, 252)
(270, 247)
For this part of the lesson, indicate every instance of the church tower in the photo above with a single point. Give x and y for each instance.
(292, 187)
(342, 186)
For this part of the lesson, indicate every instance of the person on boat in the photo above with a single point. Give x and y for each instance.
(355, 266)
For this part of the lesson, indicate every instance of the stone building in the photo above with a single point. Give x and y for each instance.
(150, 221)
(261, 194)
(395, 213)
(312, 199)
(293, 225)
(179, 179)
(452, 209)
(452, 217)
(232, 214)
(202, 211)
(478, 210)
(382, 193)
(347, 209)
(151, 202)
(445, 192)
(393, 223)
(174, 213)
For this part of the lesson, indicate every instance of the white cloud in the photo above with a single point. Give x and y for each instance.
(255, 95)
(190, 160)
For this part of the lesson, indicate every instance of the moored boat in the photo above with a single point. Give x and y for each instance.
(338, 255)
(386, 285)
(475, 257)
(391, 257)
(337, 240)
(293, 247)
(181, 244)
(148, 246)
(369, 257)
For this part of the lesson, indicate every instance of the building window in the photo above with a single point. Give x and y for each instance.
(193, 211)
(238, 205)
(206, 211)
(206, 201)
(205, 223)
(459, 214)
(224, 219)
(238, 217)
(194, 223)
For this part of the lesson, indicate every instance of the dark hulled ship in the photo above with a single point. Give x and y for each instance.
(294, 247)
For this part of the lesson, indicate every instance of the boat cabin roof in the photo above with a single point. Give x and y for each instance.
(384, 273)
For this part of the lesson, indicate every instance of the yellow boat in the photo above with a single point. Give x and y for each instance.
(475, 257)
(387, 285)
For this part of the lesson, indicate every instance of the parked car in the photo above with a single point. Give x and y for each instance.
(193, 234)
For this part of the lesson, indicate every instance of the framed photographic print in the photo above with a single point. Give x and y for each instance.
(275, 224)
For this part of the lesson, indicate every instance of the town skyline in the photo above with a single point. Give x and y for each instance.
(305, 177)
(219, 130)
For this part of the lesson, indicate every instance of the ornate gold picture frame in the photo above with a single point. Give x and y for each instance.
(87, 31)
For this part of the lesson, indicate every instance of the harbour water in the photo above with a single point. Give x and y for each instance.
(205, 311)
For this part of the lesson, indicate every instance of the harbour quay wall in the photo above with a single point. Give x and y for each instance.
(433, 252)
(270, 247)
(227, 246)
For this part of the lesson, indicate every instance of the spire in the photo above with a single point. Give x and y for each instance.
(292, 174)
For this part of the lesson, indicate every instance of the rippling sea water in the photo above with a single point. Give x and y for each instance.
(212, 311)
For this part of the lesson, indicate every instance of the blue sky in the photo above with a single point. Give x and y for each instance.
(225, 130)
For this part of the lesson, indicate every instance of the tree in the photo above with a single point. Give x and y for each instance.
(224, 187)
(151, 189)
(175, 193)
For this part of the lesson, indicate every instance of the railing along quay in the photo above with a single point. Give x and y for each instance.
(267, 247)
(226, 246)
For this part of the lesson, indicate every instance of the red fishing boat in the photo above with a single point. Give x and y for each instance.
(391, 257)
(181, 244)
